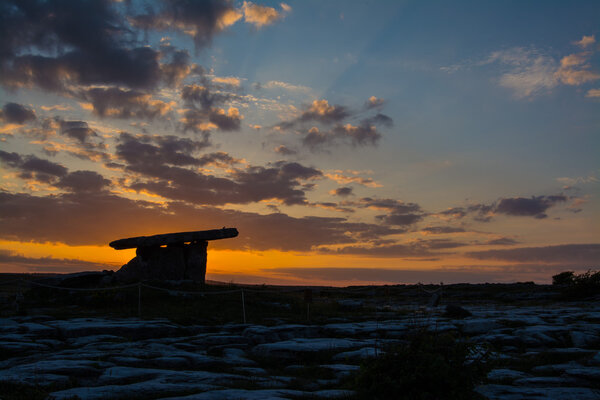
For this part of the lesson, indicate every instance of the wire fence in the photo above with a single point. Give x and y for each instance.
(242, 291)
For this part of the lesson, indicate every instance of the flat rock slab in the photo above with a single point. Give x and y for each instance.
(504, 392)
(173, 238)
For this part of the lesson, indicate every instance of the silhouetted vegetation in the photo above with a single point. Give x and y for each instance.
(579, 286)
(430, 366)
(564, 278)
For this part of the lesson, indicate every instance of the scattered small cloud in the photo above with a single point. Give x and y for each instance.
(441, 230)
(260, 16)
(57, 107)
(595, 93)
(16, 114)
(569, 182)
(373, 102)
(349, 176)
(284, 150)
(586, 41)
(228, 80)
(503, 241)
(286, 86)
(341, 191)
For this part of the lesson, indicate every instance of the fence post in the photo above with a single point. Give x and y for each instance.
(140, 300)
(308, 299)
(243, 306)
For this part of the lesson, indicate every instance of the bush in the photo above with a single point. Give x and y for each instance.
(579, 286)
(564, 278)
(430, 366)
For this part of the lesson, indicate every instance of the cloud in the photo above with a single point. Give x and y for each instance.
(121, 103)
(32, 167)
(586, 41)
(329, 126)
(532, 72)
(160, 162)
(80, 131)
(374, 102)
(57, 107)
(202, 96)
(535, 206)
(441, 230)
(178, 66)
(342, 191)
(362, 135)
(228, 80)
(504, 241)
(67, 218)
(14, 113)
(286, 86)
(260, 16)
(199, 19)
(204, 112)
(391, 205)
(226, 121)
(378, 119)
(577, 180)
(582, 255)
(284, 150)
(346, 177)
(399, 213)
(12, 261)
(358, 135)
(575, 69)
(417, 249)
(85, 43)
(400, 219)
(83, 181)
(593, 93)
(145, 152)
(38, 169)
(321, 111)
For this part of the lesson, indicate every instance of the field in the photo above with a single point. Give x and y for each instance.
(77, 337)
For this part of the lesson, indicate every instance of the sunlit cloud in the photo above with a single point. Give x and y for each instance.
(532, 72)
(286, 86)
(593, 93)
(57, 107)
(227, 80)
(349, 176)
(586, 41)
(260, 16)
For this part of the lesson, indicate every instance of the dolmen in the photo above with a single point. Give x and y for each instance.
(170, 256)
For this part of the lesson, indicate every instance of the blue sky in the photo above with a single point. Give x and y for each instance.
(405, 136)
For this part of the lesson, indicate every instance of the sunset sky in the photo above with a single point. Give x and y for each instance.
(349, 142)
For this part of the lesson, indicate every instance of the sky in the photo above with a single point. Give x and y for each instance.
(349, 142)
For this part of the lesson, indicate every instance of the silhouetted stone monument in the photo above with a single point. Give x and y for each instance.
(171, 256)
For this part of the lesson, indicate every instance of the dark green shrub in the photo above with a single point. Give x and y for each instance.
(430, 366)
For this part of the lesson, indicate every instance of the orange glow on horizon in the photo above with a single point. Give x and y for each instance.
(271, 267)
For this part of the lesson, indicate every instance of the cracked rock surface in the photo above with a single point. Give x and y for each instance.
(539, 353)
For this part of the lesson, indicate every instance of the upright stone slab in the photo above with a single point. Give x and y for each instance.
(195, 256)
(171, 256)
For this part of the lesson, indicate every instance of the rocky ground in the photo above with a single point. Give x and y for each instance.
(537, 352)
